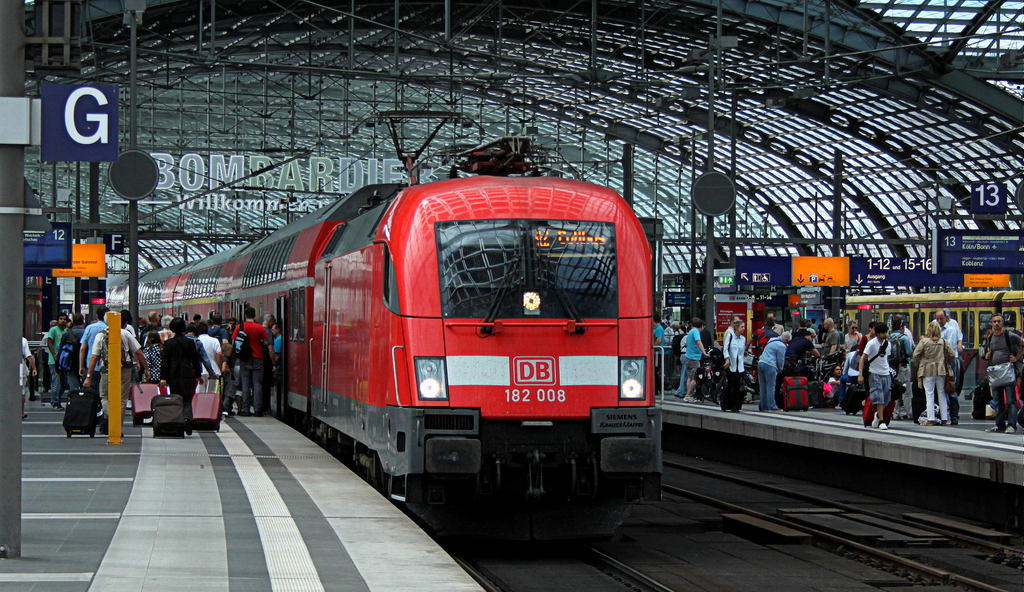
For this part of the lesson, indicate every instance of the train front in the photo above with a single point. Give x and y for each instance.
(526, 305)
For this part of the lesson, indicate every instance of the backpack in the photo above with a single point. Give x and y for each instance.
(243, 349)
(898, 358)
(103, 353)
(67, 352)
(761, 338)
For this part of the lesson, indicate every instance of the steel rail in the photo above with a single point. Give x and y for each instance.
(961, 539)
(941, 576)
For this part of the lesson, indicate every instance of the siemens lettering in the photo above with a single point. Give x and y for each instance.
(79, 123)
(193, 173)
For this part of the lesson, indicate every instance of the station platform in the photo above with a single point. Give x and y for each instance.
(255, 507)
(944, 468)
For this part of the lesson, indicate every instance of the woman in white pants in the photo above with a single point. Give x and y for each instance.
(932, 361)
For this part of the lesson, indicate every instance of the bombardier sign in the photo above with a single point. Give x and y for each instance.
(79, 123)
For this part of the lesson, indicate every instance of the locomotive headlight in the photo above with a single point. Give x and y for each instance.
(632, 376)
(431, 380)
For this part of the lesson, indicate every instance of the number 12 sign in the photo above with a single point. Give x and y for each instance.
(988, 198)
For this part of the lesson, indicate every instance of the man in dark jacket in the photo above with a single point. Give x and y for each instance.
(181, 369)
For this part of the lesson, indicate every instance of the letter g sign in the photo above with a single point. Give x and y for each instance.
(79, 123)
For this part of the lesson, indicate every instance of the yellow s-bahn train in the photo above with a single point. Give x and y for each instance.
(972, 310)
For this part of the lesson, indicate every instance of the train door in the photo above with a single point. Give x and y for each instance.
(280, 374)
(326, 351)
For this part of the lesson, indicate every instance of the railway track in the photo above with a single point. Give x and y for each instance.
(616, 566)
(824, 522)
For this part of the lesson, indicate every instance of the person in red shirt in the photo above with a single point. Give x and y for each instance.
(251, 363)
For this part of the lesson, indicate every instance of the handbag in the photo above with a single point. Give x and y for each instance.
(1001, 374)
(950, 385)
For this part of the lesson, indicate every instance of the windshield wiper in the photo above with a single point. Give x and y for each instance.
(560, 294)
(511, 279)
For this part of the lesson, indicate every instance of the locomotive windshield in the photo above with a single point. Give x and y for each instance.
(527, 269)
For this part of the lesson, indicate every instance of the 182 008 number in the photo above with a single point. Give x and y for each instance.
(540, 395)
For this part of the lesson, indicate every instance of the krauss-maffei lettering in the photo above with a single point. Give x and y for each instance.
(194, 173)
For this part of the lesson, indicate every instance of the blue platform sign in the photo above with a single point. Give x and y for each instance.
(764, 271)
(899, 271)
(989, 198)
(79, 123)
(979, 251)
(677, 299)
(46, 250)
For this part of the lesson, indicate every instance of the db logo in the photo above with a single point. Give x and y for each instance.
(534, 370)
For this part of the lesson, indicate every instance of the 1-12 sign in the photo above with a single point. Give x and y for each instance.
(988, 198)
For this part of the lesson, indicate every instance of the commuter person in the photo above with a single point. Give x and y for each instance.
(152, 324)
(88, 338)
(126, 316)
(216, 330)
(208, 371)
(131, 353)
(760, 337)
(58, 381)
(181, 369)
(153, 351)
(73, 338)
(951, 333)
(831, 340)
(27, 361)
(771, 323)
(853, 336)
(932, 362)
(211, 346)
(677, 353)
(769, 366)
(734, 347)
(165, 331)
(670, 352)
(880, 388)
(694, 351)
(659, 353)
(901, 351)
(1002, 347)
(251, 371)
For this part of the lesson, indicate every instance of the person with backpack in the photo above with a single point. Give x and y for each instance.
(901, 349)
(131, 353)
(58, 382)
(875, 361)
(68, 351)
(1004, 347)
(248, 341)
(181, 368)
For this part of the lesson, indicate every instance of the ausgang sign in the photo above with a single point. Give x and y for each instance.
(79, 123)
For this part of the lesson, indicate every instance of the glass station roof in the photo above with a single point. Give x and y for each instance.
(913, 100)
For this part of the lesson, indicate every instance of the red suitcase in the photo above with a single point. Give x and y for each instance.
(142, 402)
(797, 396)
(869, 413)
(206, 411)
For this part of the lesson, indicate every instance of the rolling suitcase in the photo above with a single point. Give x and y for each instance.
(853, 399)
(168, 416)
(142, 402)
(797, 397)
(868, 415)
(206, 411)
(816, 393)
(80, 415)
(980, 398)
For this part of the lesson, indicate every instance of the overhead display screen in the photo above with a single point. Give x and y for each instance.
(49, 249)
(979, 251)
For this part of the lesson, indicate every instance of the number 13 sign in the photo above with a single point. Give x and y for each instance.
(988, 198)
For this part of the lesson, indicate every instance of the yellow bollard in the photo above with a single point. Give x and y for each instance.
(114, 378)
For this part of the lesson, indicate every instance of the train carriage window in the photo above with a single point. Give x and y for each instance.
(984, 323)
(390, 290)
(1010, 320)
(967, 328)
(527, 268)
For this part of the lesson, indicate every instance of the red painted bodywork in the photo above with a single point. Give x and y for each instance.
(368, 344)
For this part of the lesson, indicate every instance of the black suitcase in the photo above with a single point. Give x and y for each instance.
(853, 399)
(917, 401)
(816, 393)
(980, 398)
(168, 416)
(80, 413)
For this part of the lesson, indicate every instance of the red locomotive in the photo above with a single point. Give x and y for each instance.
(480, 347)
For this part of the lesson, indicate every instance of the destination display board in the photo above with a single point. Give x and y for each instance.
(864, 272)
(49, 249)
(978, 251)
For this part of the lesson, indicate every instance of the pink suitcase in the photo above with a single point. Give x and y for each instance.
(142, 401)
(206, 411)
